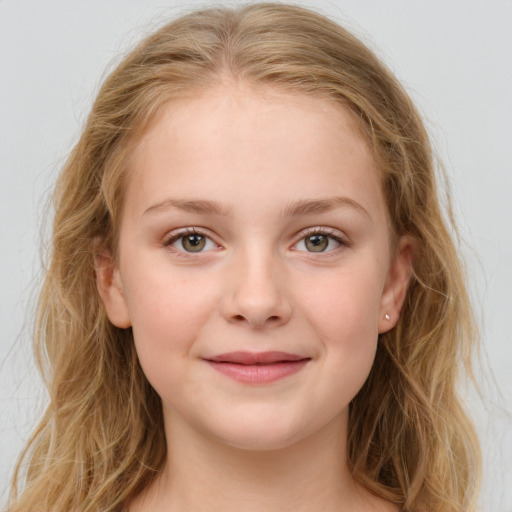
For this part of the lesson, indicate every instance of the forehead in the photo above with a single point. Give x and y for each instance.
(245, 135)
(236, 101)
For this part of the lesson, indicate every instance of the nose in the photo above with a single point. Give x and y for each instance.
(255, 293)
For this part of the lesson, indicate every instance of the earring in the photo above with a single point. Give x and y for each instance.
(387, 317)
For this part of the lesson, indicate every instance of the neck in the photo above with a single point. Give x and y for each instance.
(206, 475)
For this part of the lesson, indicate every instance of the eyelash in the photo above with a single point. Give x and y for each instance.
(331, 234)
(182, 233)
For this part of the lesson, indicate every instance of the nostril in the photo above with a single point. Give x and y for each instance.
(270, 319)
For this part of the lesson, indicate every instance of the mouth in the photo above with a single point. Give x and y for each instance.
(257, 367)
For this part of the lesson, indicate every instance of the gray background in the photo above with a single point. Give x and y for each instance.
(455, 59)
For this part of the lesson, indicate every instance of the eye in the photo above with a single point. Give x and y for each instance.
(319, 241)
(190, 241)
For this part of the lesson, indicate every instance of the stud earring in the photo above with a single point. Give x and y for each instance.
(387, 317)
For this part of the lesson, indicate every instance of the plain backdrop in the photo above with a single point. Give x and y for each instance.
(454, 58)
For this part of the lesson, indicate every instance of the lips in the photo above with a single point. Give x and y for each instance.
(249, 358)
(257, 367)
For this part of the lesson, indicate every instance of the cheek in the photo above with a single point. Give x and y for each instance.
(167, 315)
(344, 302)
(343, 312)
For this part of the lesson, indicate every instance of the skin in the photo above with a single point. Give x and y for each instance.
(269, 165)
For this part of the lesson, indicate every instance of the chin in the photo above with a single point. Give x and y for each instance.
(263, 435)
(259, 443)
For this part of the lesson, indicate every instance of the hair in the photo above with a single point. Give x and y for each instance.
(101, 439)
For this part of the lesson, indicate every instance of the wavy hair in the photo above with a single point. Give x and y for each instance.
(101, 439)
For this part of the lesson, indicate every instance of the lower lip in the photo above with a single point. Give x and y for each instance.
(259, 373)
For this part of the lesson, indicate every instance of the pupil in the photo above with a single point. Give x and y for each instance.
(193, 243)
(316, 243)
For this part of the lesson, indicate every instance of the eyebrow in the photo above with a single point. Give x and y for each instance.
(309, 206)
(194, 206)
(295, 208)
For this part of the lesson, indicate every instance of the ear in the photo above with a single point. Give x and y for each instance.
(397, 283)
(110, 288)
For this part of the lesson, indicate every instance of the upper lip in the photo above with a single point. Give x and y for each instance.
(249, 358)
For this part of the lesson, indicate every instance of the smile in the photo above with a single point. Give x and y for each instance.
(257, 368)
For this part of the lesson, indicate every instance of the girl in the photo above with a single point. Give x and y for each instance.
(253, 301)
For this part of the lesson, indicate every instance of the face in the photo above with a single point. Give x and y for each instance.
(255, 265)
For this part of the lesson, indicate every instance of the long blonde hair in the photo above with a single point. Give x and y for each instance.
(101, 439)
